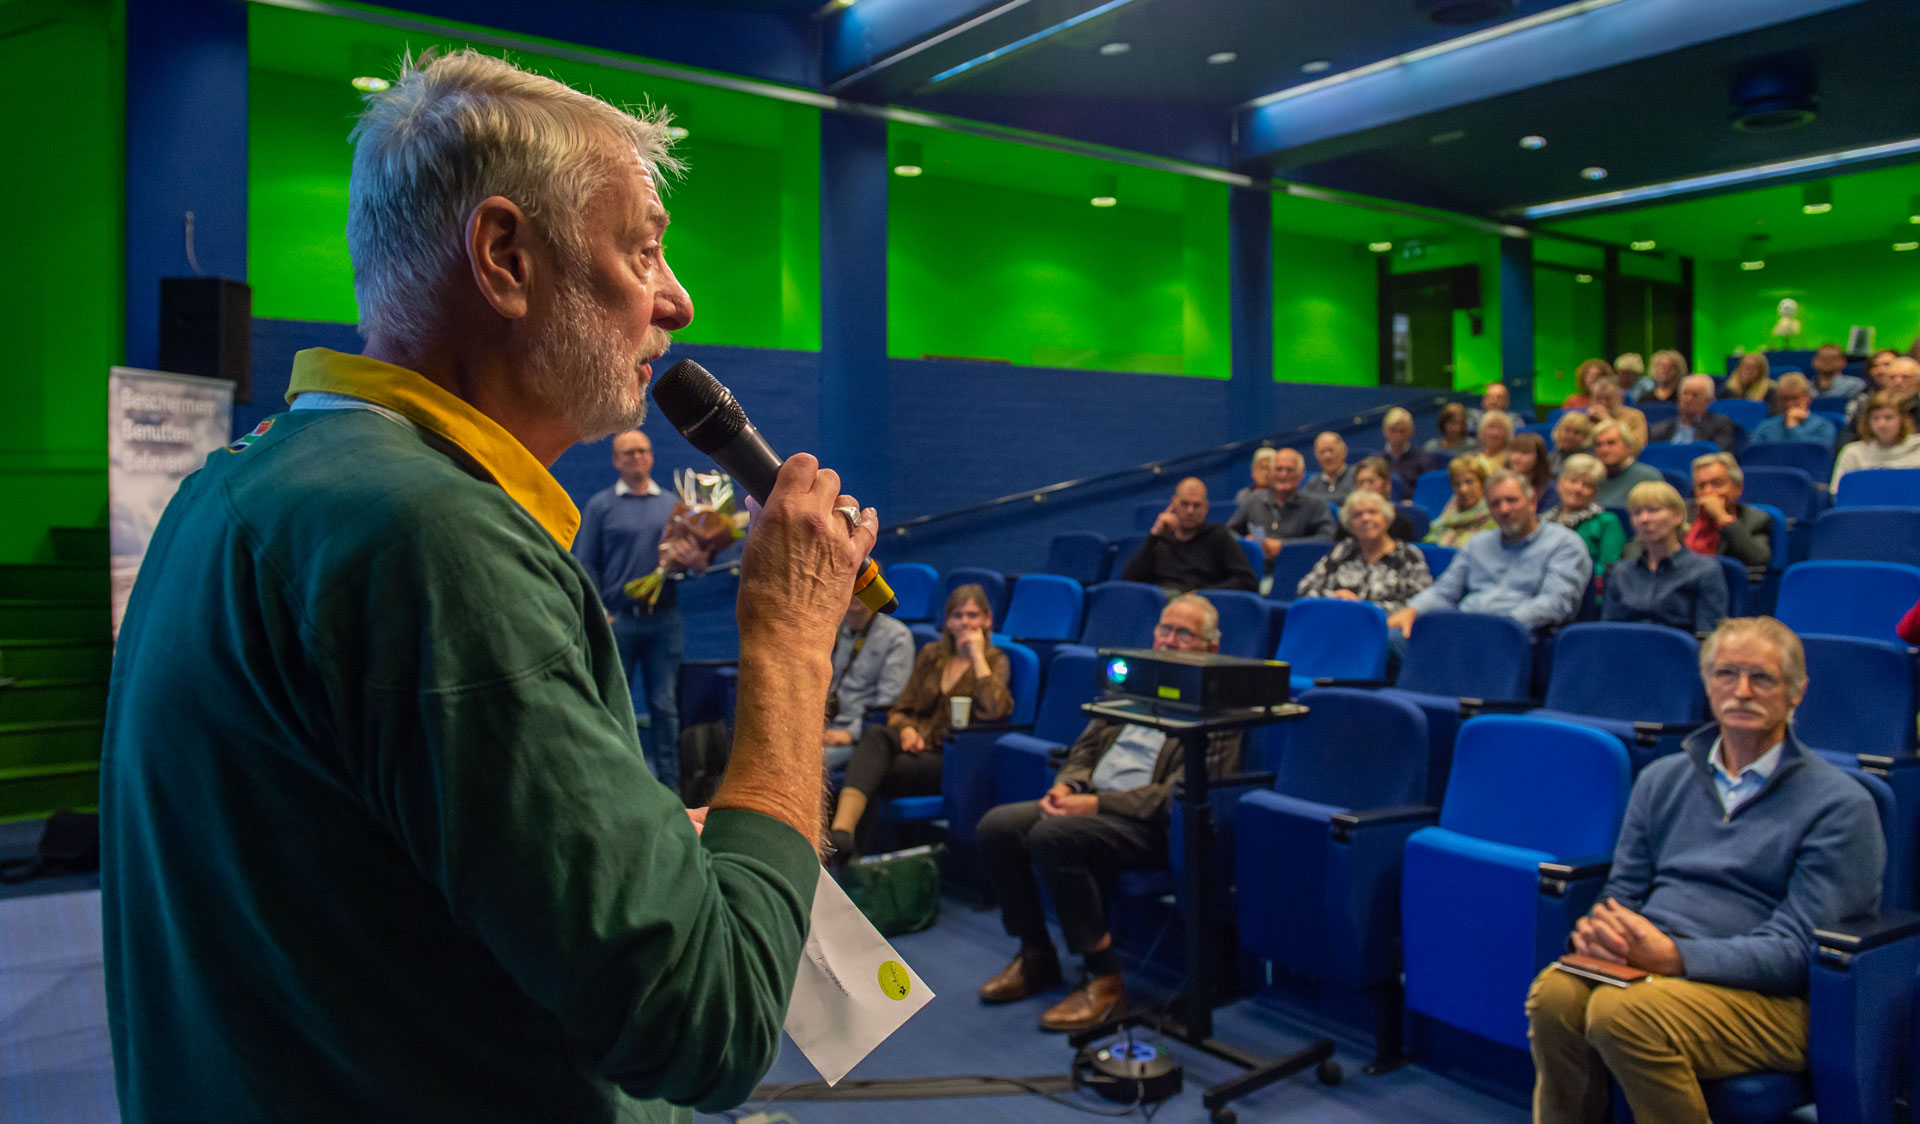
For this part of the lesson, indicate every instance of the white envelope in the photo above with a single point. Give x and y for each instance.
(852, 990)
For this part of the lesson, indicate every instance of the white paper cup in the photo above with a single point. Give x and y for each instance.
(961, 708)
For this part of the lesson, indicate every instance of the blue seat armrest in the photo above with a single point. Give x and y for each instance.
(1256, 779)
(1471, 706)
(1558, 877)
(1849, 938)
(1360, 684)
(983, 732)
(1346, 823)
(1650, 733)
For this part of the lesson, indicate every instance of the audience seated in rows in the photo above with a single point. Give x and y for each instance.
(1721, 523)
(1335, 478)
(1830, 379)
(1106, 813)
(1662, 581)
(1281, 512)
(1899, 376)
(1662, 380)
(1404, 458)
(1261, 472)
(1531, 571)
(872, 658)
(1183, 552)
(1573, 433)
(1615, 454)
(1750, 380)
(1494, 399)
(1887, 440)
(1455, 438)
(1496, 437)
(1372, 475)
(1528, 457)
(1696, 420)
(1609, 404)
(1732, 853)
(1465, 515)
(1583, 377)
(1796, 420)
(1371, 563)
(903, 757)
(1596, 526)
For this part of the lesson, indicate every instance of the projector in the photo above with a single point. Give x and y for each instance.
(1194, 681)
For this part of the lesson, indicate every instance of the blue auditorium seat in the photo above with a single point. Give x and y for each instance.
(967, 759)
(1124, 548)
(1832, 403)
(1739, 584)
(1866, 534)
(1745, 412)
(1814, 460)
(1681, 482)
(1885, 487)
(1480, 917)
(915, 586)
(1417, 517)
(1438, 557)
(1331, 639)
(1317, 856)
(1246, 625)
(1679, 458)
(1295, 561)
(992, 581)
(1255, 557)
(1638, 682)
(1787, 487)
(1657, 412)
(1455, 662)
(1847, 598)
(1219, 511)
(1084, 556)
(924, 633)
(1432, 491)
(1122, 615)
(1022, 764)
(1861, 696)
(1045, 607)
(1144, 514)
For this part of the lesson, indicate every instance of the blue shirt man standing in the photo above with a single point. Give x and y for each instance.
(619, 541)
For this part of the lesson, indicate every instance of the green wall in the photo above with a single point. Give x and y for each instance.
(1837, 287)
(65, 309)
(995, 253)
(1568, 316)
(745, 239)
(1325, 325)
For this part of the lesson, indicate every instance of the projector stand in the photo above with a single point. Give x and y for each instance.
(1192, 1021)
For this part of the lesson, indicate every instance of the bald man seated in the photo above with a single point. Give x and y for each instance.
(1184, 552)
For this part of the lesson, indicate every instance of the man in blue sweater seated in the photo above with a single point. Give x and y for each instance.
(1733, 852)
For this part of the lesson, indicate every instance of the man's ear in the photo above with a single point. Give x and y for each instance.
(501, 246)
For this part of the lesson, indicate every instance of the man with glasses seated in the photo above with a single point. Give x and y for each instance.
(1733, 852)
(1105, 814)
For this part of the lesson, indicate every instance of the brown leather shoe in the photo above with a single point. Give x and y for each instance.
(1089, 1005)
(1027, 975)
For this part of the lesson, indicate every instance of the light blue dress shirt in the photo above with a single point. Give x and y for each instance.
(1735, 791)
(1537, 581)
(1128, 762)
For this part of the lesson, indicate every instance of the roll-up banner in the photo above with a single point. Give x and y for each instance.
(160, 428)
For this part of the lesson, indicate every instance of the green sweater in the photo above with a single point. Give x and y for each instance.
(378, 840)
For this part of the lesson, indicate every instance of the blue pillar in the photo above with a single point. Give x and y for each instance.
(1516, 322)
(854, 375)
(1250, 259)
(186, 151)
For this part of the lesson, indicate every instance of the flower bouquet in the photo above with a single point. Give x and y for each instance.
(704, 518)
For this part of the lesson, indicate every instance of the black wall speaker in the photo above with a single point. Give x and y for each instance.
(206, 328)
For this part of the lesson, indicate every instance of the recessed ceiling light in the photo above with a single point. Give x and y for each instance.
(1903, 246)
(1111, 49)
(1750, 266)
(906, 159)
(369, 84)
(677, 132)
(1222, 58)
(1379, 247)
(1595, 173)
(1641, 245)
(1106, 190)
(1317, 66)
(1533, 141)
(1816, 198)
(1583, 278)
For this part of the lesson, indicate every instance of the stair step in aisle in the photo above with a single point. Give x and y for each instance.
(45, 745)
(49, 619)
(33, 793)
(66, 581)
(51, 700)
(56, 659)
(79, 544)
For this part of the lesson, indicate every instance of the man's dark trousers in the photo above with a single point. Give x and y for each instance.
(653, 642)
(1073, 855)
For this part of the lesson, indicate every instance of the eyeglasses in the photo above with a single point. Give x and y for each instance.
(1169, 632)
(1728, 677)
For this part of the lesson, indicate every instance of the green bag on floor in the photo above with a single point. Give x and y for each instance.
(898, 892)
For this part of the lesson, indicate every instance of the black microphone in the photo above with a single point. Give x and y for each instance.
(707, 415)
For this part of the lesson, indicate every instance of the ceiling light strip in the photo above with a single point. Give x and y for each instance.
(907, 52)
(1753, 174)
(1025, 41)
(1474, 39)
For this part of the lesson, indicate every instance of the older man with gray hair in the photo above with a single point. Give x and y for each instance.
(1406, 459)
(406, 861)
(1696, 420)
(1732, 853)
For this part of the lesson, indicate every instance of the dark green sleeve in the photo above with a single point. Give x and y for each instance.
(490, 740)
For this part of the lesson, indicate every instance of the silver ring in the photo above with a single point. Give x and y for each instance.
(852, 515)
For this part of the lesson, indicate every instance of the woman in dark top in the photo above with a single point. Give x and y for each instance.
(1371, 565)
(1528, 457)
(1664, 583)
(1454, 438)
(902, 758)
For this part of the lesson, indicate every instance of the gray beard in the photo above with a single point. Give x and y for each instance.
(581, 373)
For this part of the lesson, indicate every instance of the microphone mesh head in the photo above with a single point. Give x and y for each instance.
(697, 405)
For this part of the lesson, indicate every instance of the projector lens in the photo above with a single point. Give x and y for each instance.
(1117, 671)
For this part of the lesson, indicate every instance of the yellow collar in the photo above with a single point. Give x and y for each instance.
(432, 408)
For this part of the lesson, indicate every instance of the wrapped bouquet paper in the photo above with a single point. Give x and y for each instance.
(705, 517)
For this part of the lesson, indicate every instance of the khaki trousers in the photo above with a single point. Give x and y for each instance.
(1659, 1039)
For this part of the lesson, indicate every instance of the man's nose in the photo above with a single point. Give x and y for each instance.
(672, 306)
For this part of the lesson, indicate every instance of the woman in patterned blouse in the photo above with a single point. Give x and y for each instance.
(1370, 565)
